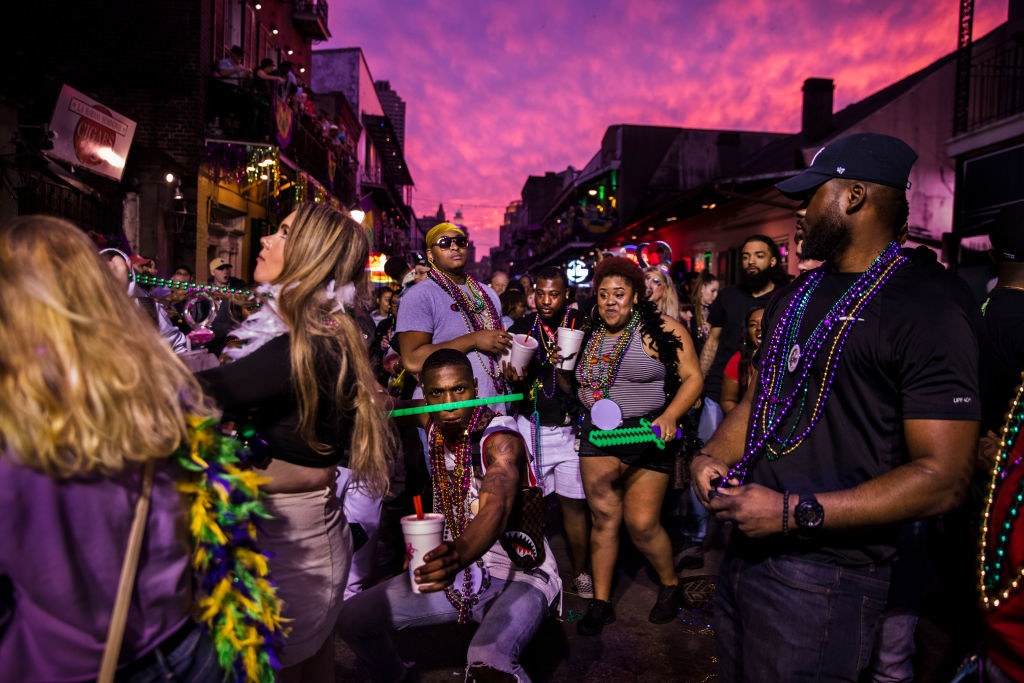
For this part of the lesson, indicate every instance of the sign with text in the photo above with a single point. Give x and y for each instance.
(89, 135)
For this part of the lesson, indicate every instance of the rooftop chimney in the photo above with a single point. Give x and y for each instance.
(817, 114)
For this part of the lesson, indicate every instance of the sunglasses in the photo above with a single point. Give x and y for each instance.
(447, 241)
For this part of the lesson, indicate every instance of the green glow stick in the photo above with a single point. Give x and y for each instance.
(473, 402)
(626, 436)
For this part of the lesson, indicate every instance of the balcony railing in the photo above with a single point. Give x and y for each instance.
(997, 85)
(243, 114)
(310, 16)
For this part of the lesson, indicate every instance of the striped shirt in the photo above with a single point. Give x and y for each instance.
(639, 387)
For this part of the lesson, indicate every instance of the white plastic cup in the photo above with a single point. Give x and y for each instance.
(569, 342)
(421, 536)
(522, 350)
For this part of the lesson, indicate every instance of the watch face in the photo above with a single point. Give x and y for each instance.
(809, 513)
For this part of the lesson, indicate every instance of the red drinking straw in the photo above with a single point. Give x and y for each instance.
(418, 503)
(572, 324)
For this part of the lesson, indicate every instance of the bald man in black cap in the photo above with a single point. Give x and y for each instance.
(864, 415)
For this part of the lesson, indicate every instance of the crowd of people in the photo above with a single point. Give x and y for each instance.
(812, 423)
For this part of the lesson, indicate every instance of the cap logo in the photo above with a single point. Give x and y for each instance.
(840, 170)
(818, 154)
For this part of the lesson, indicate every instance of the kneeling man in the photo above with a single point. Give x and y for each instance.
(480, 469)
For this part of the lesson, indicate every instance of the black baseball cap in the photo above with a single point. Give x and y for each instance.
(871, 157)
(1007, 234)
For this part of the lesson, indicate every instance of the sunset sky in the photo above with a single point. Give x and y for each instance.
(497, 91)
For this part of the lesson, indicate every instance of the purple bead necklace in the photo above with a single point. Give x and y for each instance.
(771, 406)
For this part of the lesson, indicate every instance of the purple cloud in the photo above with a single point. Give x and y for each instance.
(499, 91)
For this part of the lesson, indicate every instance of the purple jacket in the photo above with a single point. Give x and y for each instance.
(61, 546)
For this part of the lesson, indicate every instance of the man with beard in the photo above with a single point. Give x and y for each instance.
(761, 274)
(545, 415)
(864, 415)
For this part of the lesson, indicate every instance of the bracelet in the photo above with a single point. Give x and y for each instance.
(785, 513)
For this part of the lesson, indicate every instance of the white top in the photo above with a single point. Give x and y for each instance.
(544, 578)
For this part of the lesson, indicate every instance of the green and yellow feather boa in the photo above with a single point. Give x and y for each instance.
(237, 601)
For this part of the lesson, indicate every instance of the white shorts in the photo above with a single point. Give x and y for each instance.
(559, 462)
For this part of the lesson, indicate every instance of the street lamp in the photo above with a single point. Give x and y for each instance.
(357, 215)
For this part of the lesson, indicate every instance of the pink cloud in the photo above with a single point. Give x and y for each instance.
(499, 91)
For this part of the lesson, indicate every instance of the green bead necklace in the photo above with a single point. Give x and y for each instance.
(993, 584)
(150, 281)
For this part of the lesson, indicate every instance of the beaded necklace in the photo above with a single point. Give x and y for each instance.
(597, 373)
(545, 351)
(196, 287)
(993, 583)
(478, 314)
(784, 356)
(451, 496)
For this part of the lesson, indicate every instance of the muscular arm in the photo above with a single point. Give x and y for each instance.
(935, 480)
(416, 347)
(505, 455)
(707, 354)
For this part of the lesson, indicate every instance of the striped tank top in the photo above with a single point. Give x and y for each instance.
(640, 385)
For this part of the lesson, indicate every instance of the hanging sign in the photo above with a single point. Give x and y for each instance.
(87, 134)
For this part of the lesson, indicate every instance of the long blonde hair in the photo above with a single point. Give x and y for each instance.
(669, 304)
(324, 245)
(87, 385)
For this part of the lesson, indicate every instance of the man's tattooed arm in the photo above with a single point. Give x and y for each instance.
(505, 455)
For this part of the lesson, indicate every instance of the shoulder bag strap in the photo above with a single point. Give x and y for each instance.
(126, 584)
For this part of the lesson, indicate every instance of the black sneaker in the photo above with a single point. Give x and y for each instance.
(670, 599)
(599, 613)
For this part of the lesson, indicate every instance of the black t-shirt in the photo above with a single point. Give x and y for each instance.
(258, 387)
(728, 312)
(911, 354)
(1004, 322)
(552, 410)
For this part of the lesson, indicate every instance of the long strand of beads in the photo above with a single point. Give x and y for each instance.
(991, 576)
(771, 407)
(149, 280)
(490, 320)
(599, 375)
(455, 504)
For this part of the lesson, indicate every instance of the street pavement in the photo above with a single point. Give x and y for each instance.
(631, 649)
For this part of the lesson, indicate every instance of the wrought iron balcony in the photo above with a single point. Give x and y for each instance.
(310, 17)
(997, 84)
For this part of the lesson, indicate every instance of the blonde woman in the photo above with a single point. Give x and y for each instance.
(89, 394)
(661, 293)
(304, 380)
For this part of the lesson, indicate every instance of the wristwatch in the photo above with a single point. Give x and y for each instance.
(808, 513)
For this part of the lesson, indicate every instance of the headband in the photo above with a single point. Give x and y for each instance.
(439, 230)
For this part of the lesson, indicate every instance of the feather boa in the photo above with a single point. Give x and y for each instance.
(236, 600)
(266, 324)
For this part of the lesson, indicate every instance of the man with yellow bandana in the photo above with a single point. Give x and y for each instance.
(450, 309)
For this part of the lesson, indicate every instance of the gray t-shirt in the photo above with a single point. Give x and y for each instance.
(425, 307)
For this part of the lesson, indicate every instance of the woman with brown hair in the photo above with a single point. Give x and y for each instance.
(90, 398)
(703, 292)
(636, 364)
(304, 380)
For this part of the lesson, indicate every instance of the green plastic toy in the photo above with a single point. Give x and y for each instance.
(645, 433)
(473, 402)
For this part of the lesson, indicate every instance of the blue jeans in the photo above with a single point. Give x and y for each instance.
(792, 620)
(194, 660)
(509, 613)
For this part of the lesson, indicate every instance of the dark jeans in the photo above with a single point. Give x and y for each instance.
(194, 660)
(788, 620)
